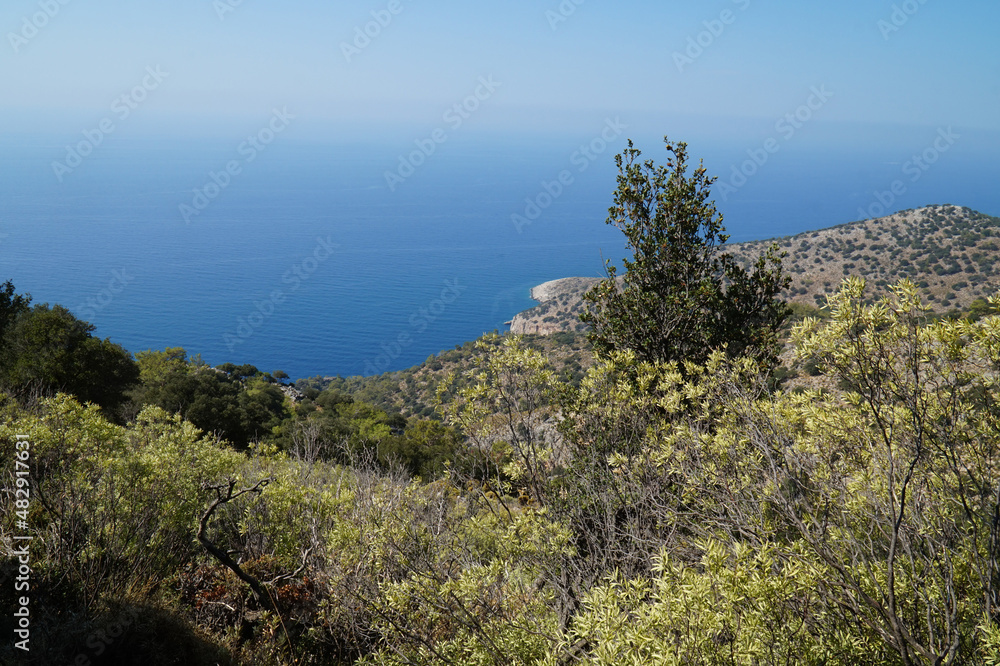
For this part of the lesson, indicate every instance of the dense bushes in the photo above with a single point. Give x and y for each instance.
(356, 562)
(649, 514)
(716, 522)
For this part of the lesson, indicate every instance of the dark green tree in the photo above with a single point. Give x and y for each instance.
(980, 308)
(681, 296)
(228, 401)
(48, 349)
(425, 449)
(12, 305)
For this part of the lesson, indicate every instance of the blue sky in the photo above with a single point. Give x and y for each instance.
(560, 66)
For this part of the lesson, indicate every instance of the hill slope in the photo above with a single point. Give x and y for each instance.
(560, 309)
(412, 392)
(951, 253)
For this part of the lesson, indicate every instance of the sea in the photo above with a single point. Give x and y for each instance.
(356, 258)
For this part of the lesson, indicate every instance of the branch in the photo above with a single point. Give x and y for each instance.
(294, 574)
(224, 497)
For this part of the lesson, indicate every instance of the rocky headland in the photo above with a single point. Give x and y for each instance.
(951, 253)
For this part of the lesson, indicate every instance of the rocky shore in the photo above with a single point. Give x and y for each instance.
(560, 305)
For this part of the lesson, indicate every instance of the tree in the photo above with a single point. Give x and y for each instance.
(681, 296)
(240, 410)
(507, 414)
(12, 305)
(48, 349)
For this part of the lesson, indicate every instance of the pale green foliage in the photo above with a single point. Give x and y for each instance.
(471, 597)
(434, 572)
(455, 576)
(177, 461)
(300, 500)
(108, 494)
(508, 412)
(741, 605)
(64, 432)
(990, 652)
(903, 470)
(881, 490)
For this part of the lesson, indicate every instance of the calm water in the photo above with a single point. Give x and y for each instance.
(307, 262)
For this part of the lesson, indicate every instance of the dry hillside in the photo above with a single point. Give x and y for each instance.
(951, 253)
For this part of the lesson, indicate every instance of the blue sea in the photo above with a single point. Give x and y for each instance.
(306, 260)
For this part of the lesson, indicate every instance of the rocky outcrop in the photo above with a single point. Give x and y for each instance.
(561, 302)
(292, 393)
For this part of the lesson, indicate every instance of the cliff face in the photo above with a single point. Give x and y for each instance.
(561, 302)
(952, 254)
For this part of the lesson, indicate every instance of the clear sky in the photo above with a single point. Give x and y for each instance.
(559, 65)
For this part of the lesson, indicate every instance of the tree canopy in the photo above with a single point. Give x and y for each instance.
(46, 349)
(681, 296)
(234, 402)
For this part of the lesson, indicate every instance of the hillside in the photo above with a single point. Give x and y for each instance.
(561, 303)
(951, 253)
(412, 392)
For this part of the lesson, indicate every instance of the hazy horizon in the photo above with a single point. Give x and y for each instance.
(559, 64)
(474, 137)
